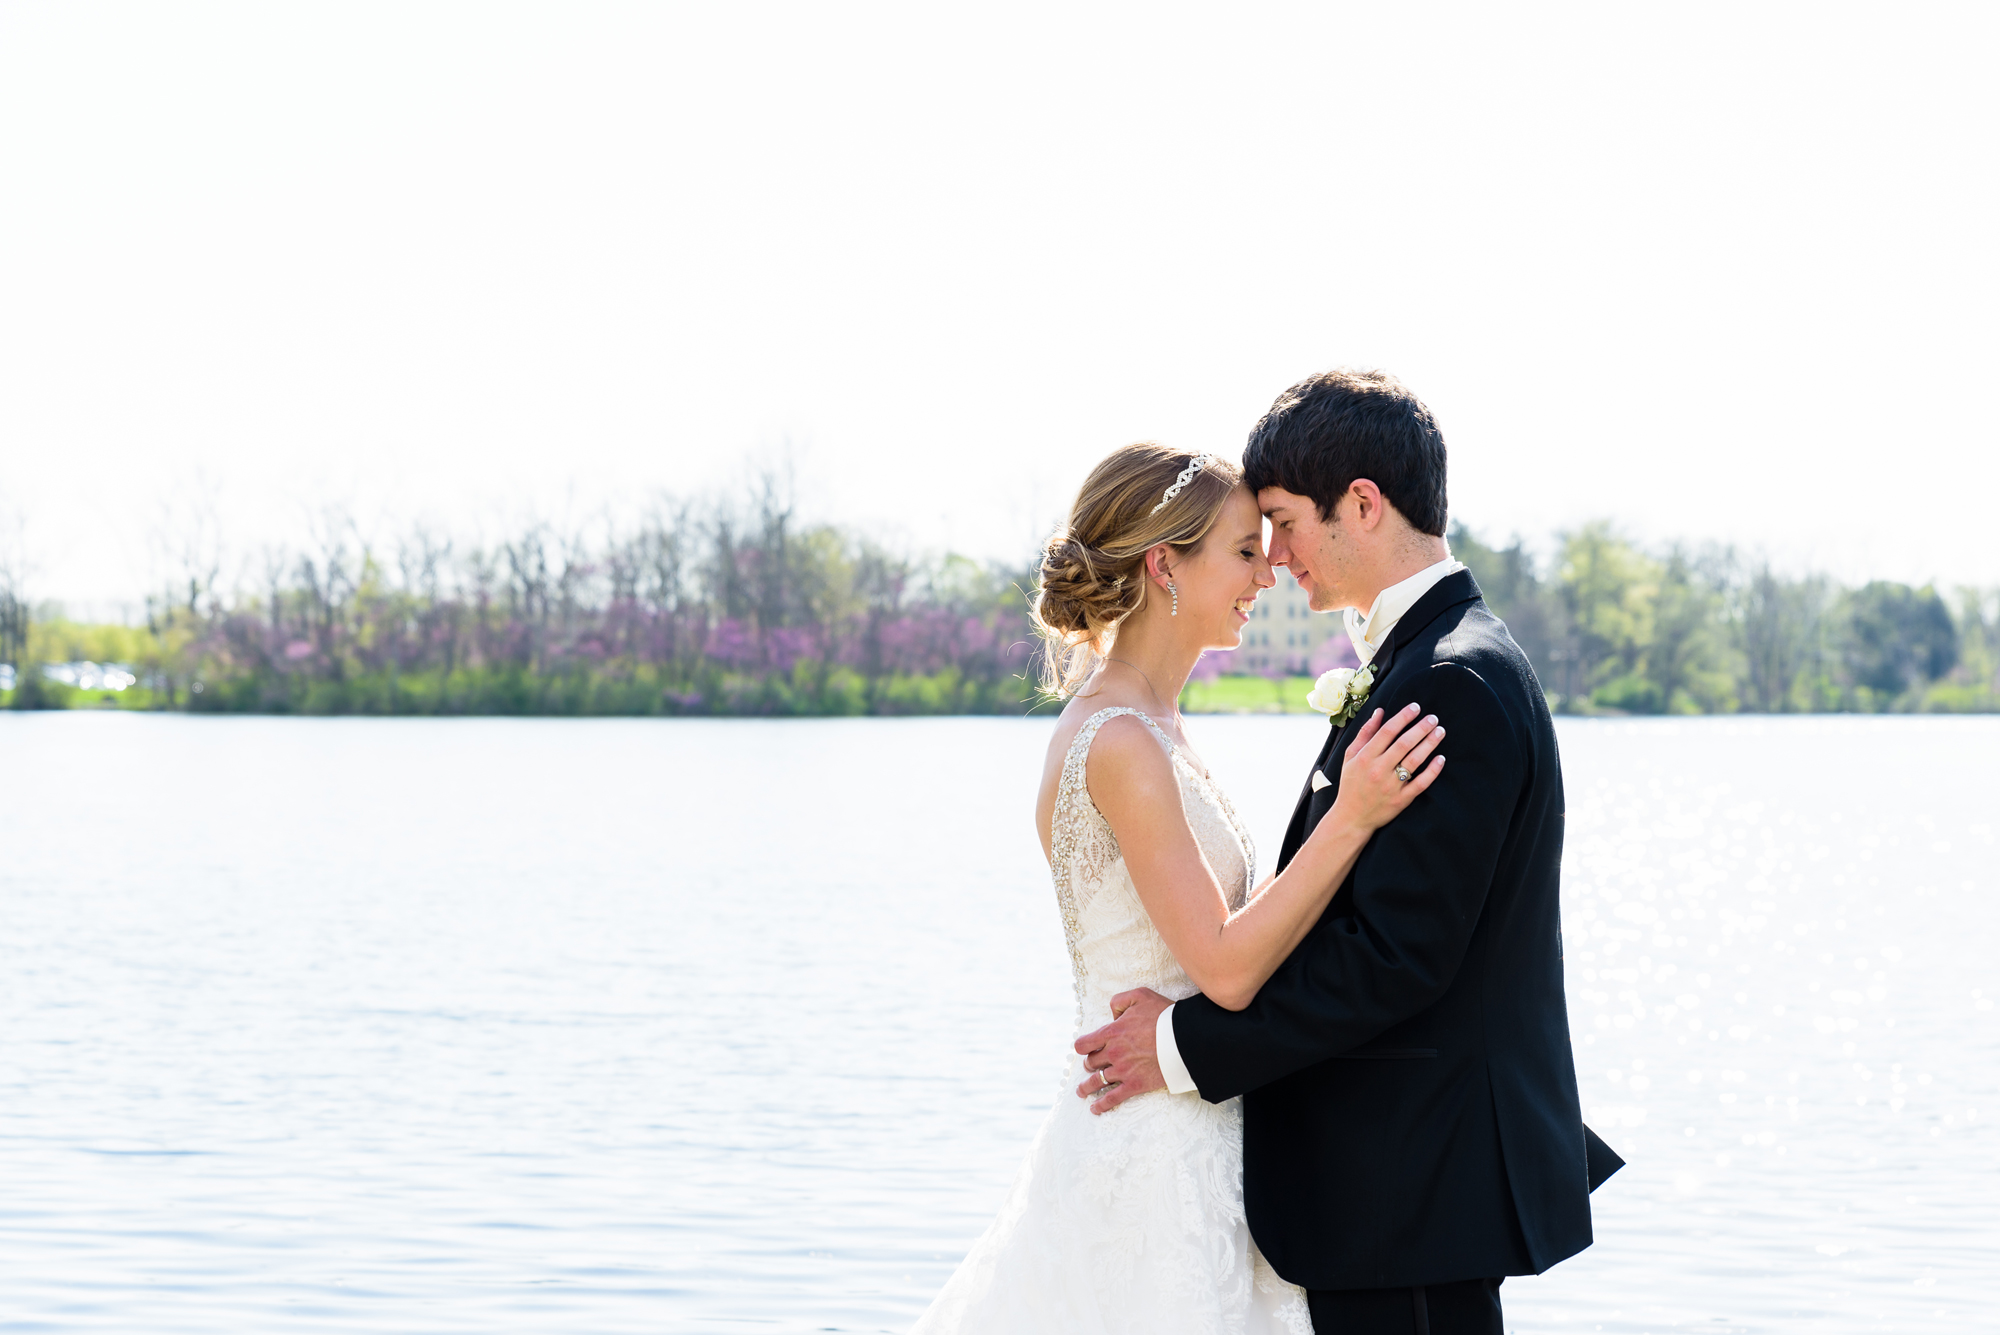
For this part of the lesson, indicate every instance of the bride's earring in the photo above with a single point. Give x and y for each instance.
(1175, 610)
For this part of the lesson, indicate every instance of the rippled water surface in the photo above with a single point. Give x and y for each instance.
(317, 1025)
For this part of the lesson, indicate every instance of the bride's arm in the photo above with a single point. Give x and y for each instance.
(1230, 955)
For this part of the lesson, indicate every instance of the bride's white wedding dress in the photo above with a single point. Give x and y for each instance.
(1132, 1221)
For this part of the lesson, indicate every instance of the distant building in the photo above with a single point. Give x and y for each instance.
(1286, 635)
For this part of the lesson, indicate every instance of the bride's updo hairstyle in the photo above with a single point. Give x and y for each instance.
(1093, 572)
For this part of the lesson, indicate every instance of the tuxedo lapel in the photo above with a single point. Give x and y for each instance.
(1448, 592)
(1384, 660)
(1301, 822)
(1344, 734)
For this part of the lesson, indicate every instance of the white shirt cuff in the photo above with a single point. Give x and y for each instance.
(1172, 1068)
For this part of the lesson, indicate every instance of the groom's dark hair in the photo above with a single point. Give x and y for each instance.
(1332, 428)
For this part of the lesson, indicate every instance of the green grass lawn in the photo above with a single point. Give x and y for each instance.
(1224, 695)
(1247, 695)
(55, 695)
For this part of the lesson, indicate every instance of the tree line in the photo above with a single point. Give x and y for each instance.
(1613, 627)
(735, 607)
(727, 607)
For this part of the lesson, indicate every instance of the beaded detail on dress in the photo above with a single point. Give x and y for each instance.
(1082, 849)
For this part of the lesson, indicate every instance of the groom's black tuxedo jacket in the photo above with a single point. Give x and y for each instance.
(1409, 1096)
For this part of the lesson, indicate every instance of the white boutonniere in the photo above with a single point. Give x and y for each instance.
(1341, 692)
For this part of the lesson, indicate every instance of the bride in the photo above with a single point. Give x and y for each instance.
(1133, 1220)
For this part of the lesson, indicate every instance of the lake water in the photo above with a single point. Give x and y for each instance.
(602, 1026)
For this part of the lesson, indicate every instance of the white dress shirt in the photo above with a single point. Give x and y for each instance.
(1369, 633)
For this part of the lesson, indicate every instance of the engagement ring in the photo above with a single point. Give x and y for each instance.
(1402, 775)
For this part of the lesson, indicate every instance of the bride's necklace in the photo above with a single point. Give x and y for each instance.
(1151, 689)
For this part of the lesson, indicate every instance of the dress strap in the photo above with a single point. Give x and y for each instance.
(1072, 783)
(1088, 732)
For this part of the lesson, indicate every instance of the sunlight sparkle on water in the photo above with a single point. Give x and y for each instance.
(530, 1025)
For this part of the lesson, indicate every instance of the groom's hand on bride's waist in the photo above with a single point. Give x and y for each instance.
(1120, 1057)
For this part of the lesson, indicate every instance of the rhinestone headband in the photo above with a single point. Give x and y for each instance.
(1180, 483)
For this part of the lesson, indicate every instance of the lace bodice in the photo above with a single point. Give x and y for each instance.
(1113, 946)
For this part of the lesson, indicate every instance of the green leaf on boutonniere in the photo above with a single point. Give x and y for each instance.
(1339, 694)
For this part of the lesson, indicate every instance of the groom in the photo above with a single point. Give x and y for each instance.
(1411, 1132)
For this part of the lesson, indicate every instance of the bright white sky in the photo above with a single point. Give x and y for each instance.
(1715, 272)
